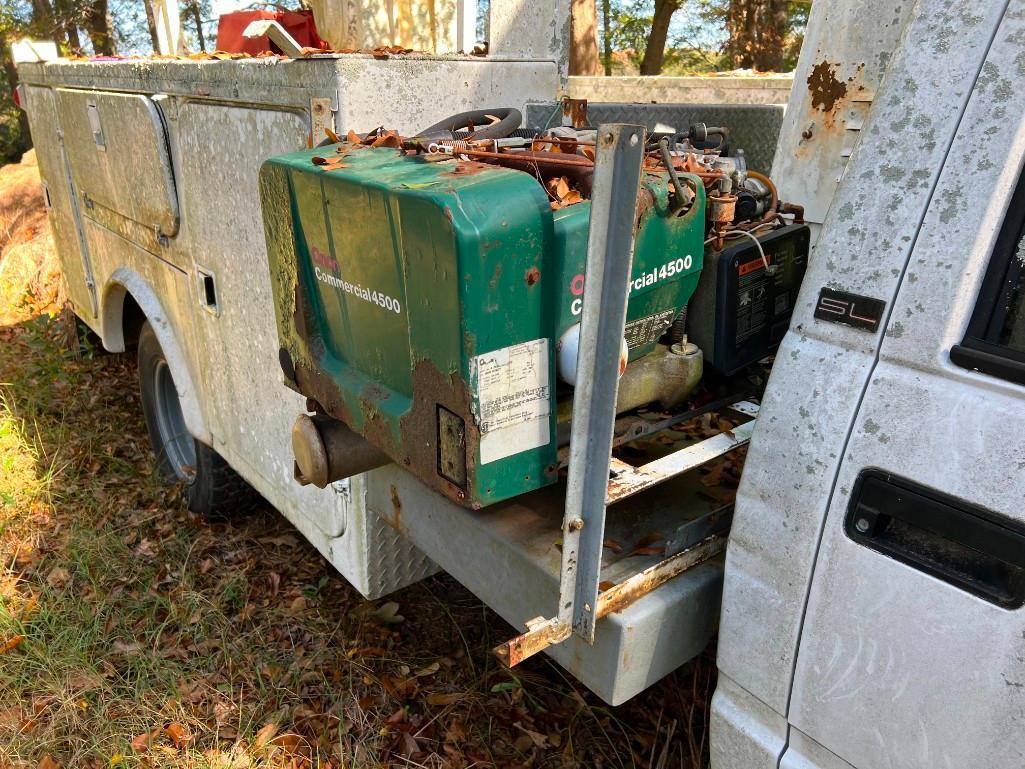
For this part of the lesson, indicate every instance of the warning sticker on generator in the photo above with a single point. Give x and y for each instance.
(648, 329)
(513, 399)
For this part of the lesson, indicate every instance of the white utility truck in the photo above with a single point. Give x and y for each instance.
(869, 603)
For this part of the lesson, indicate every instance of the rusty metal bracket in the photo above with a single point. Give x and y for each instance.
(627, 480)
(542, 633)
(574, 112)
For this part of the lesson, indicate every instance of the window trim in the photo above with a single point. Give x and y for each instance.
(976, 351)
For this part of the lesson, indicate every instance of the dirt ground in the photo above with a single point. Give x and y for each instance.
(135, 634)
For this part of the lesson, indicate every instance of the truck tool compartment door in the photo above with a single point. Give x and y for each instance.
(63, 205)
(252, 411)
(912, 653)
(121, 165)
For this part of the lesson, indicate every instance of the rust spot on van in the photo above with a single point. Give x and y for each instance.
(826, 90)
(533, 276)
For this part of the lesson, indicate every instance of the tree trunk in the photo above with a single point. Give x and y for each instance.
(606, 20)
(757, 30)
(583, 52)
(655, 50)
(23, 141)
(42, 16)
(151, 22)
(97, 24)
(198, 21)
(65, 22)
(773, 42)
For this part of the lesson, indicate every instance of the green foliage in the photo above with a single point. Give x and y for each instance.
(15, 22)
(13, 141)
(697, 37)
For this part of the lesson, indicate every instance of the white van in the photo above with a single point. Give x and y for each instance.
(875, 577)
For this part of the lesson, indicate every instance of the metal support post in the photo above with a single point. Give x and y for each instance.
(596, 480)
(610, 249)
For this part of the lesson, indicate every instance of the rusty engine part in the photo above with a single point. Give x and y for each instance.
(326, 450)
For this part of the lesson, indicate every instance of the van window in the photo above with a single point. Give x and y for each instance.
(995, 340)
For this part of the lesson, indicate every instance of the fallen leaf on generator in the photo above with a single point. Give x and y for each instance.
(388, 139)
(612, 545)
(606, 584)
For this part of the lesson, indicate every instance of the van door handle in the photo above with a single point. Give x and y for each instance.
(965, 545)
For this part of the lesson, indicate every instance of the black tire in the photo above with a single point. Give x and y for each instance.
(211, 487)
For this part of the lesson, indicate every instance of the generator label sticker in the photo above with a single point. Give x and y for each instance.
(648, 329)
(513, 399)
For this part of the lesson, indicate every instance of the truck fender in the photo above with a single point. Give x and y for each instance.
(124, 282)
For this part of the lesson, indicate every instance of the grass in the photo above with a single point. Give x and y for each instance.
(133, 634)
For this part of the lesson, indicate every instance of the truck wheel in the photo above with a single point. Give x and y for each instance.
(212, 488)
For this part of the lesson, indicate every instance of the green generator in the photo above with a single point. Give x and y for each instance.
(425, 301)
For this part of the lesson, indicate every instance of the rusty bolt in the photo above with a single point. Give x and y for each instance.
(576, 524)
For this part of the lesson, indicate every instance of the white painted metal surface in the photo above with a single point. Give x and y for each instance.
(167, 21)
(847, 48)
(941, 671)
(222, 119)
(25, 50)
(428, 26)
(893, 668)
(691, 90)
(525, 29)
